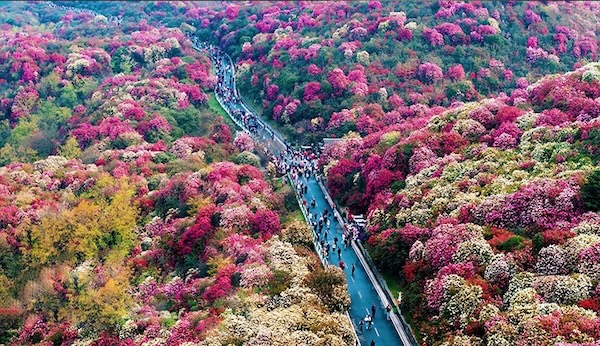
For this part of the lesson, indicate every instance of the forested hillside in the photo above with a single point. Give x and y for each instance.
(133, 213)
(487, 213)
(130, 212)
(321, 68)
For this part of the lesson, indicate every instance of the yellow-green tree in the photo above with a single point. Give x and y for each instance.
(118, 217)
(71, 236)
(97, 227)
(70, 149)
(103, 305)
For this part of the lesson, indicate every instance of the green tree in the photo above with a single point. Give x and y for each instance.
(121, 61)
(103, 306)
(68, 96)
(590, 191)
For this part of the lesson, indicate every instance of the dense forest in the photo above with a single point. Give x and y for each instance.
(130, 212)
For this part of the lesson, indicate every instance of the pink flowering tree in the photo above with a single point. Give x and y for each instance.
(311, 91)
(430, 73)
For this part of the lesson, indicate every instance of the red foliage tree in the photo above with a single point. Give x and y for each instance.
(266, 223)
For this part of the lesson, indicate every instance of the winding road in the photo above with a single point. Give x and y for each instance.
(363, 287)
(363, 291)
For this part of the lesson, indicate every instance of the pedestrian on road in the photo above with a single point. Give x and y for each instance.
(353, 268)
(342, 265)
(388, 309)
(368, 321)
(372, 342)
(373, 309)
(339, 252)
(361, 323)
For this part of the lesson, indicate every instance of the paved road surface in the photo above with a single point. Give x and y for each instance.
(362, 292)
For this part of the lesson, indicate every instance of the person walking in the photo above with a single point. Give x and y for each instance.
(388, 310)
(339, 251)
(372, 342)
(373, 309)
(368, 321)
(353, 269)
(361, 323)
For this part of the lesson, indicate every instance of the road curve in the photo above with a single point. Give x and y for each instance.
(362, 286)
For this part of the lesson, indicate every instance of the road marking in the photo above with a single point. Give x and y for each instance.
(360, 295)
(376, 331)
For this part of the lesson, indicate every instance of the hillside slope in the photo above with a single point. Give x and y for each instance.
(487, 212)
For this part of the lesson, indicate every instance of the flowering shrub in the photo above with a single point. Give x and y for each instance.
(311, 50)
(143, 231)
(430, 72)
(485, 204)
(497, 193)
(243, 142)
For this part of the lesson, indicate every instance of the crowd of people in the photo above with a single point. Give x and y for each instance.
(226, 91)
(300, 166)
